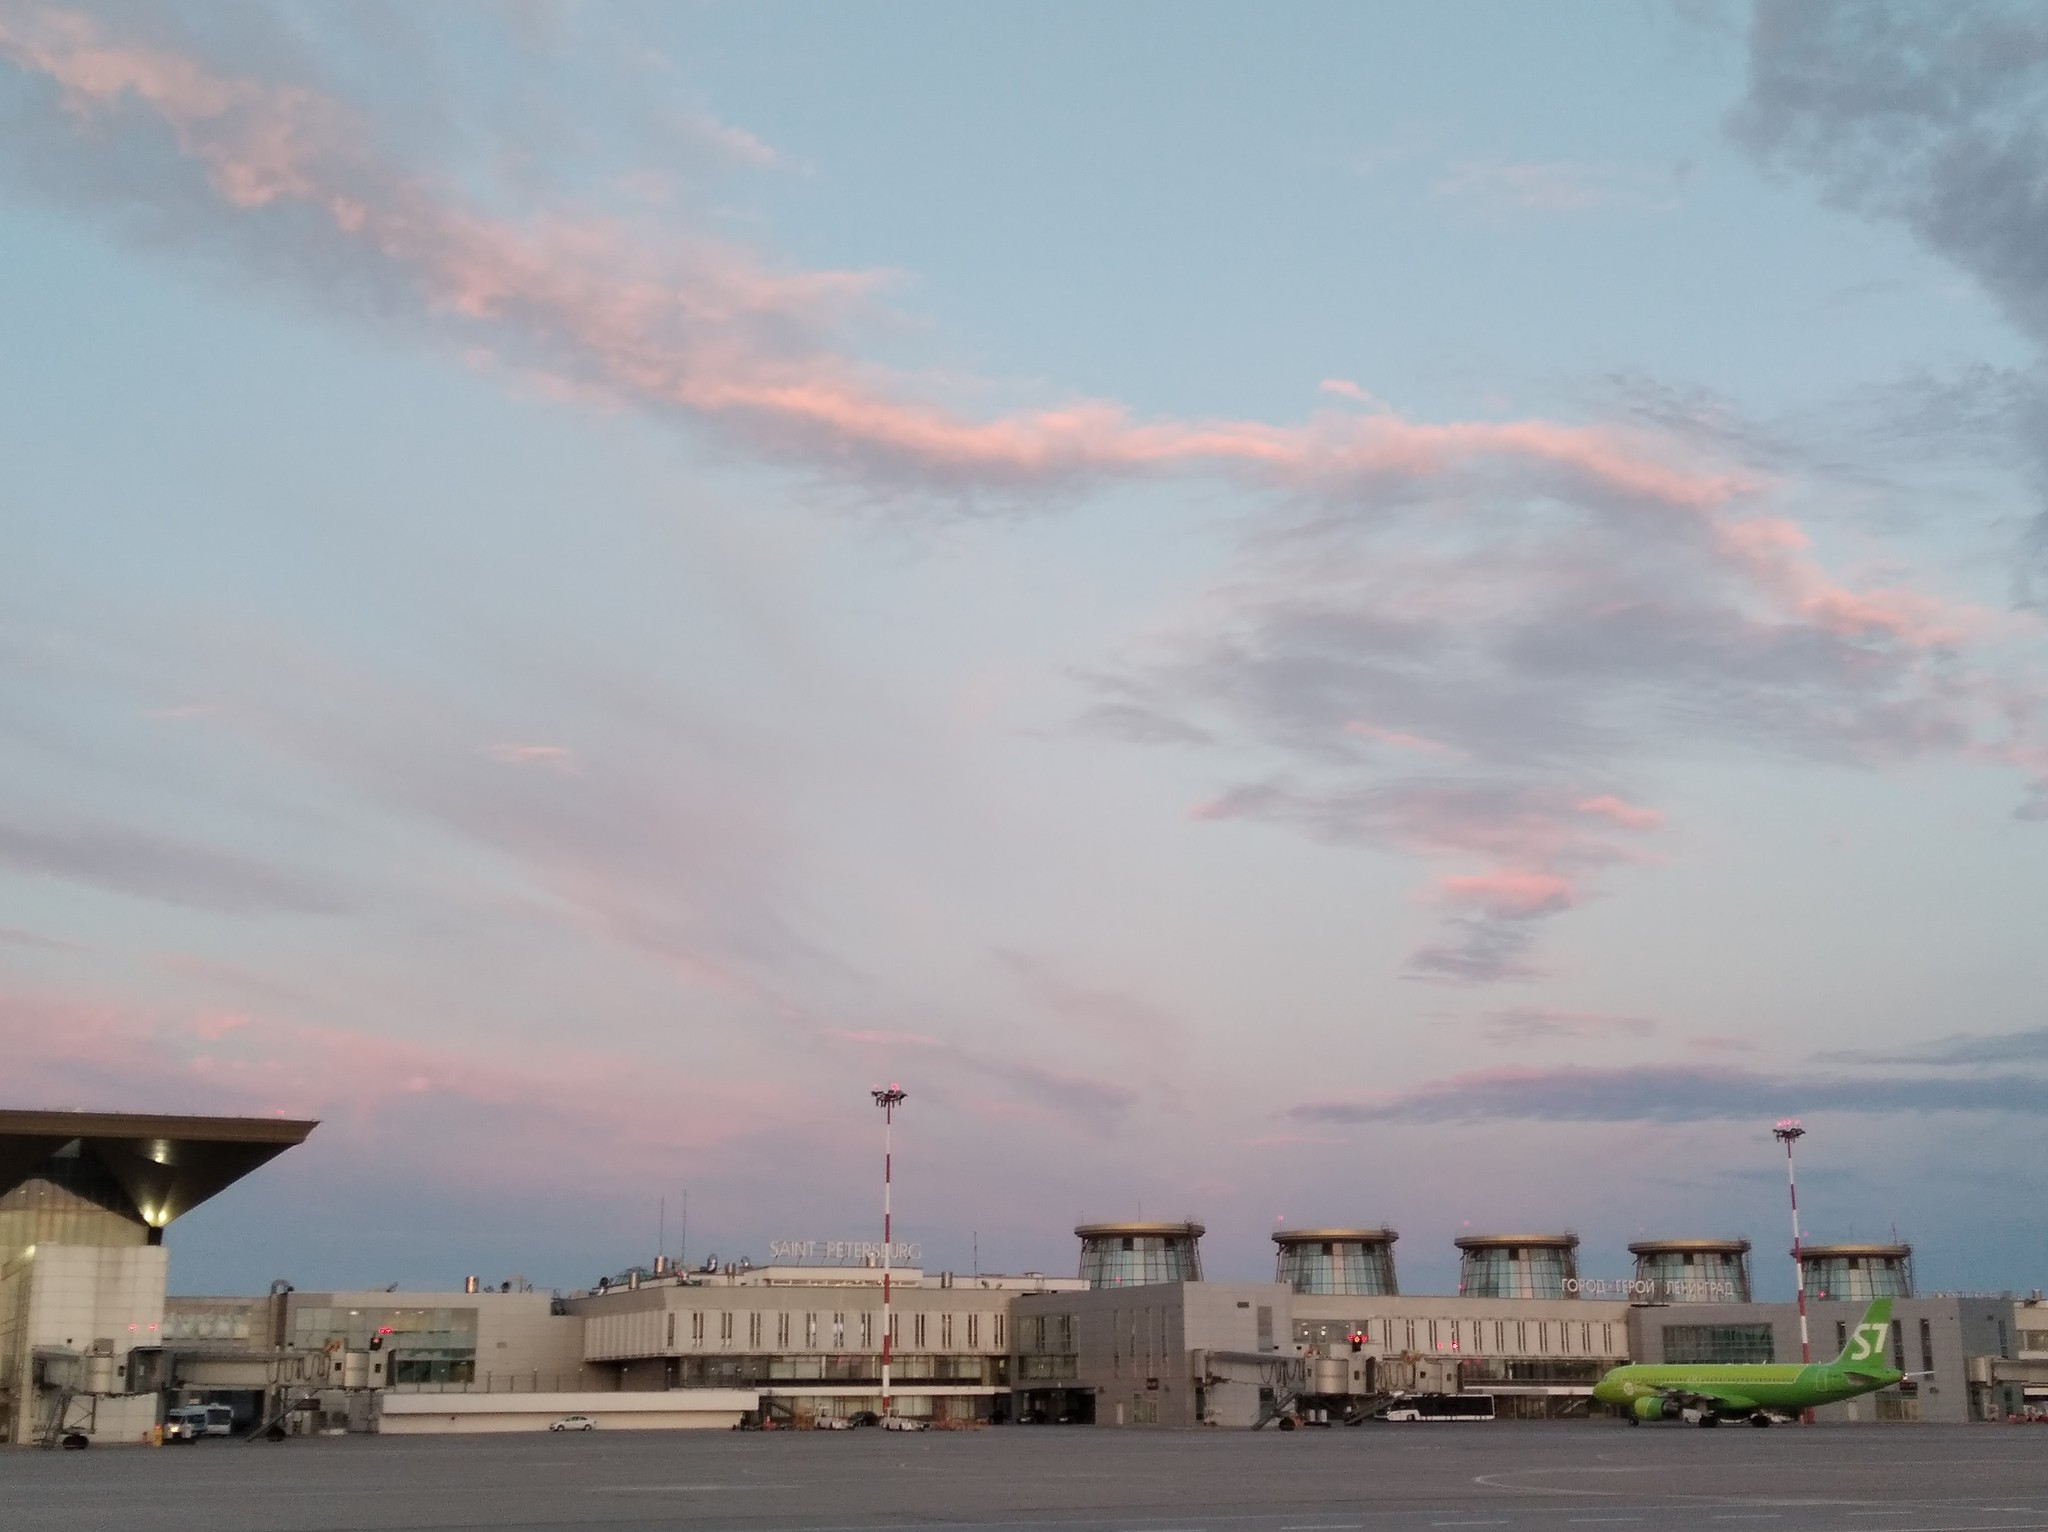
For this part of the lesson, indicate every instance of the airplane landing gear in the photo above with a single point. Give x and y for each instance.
(1760, 1420)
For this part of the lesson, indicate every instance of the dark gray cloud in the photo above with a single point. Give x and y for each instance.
(21, 938)
(1959, 1049)
(152, 866)
(1676, 1093)
(1478, 949)
(1531, 1023)
(1934, 117)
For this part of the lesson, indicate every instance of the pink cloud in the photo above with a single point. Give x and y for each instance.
(698, 326)
(587, 1104)
(1344, 388)
(557, 758)
(1628, 815)
(1509, 894)
(1395, 737)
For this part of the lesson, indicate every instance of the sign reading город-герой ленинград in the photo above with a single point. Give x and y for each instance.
(1683, 1290)
(842, 1252)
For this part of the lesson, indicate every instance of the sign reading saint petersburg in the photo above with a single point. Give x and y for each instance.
(842, 1252)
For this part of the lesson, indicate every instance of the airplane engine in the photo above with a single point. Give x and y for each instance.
(1657, 1407)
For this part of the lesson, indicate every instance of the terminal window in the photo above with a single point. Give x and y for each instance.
(1718, 1343)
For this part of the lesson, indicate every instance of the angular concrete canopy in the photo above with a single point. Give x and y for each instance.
(165, 1166)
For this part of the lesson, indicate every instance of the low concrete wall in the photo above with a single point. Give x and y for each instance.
(682, 1409)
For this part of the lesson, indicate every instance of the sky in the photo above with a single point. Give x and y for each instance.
(1405, 615)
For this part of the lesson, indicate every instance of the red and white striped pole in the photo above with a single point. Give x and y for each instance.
(888, 1100)
(1789, 1132)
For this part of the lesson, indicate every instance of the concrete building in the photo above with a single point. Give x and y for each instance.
(85, 1198)
(808, 1340)
(90, 1345)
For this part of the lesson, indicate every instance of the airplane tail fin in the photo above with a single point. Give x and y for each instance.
(1871, 1338)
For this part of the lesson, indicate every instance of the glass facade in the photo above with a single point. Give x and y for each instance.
(1857, 1275)
(1357, 1265)
(71, 1200)
(1718, 1343)
(1506, 1269)
(1141, 1255)
(424, 1345)
(1693, 1272)
(233, 1319)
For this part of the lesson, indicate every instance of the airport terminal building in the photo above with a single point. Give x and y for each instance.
(93, 1348)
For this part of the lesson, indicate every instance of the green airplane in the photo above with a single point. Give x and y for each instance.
(1755, 1391)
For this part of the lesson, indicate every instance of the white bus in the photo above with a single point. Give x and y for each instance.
(189, 1422)
(1433, 1408)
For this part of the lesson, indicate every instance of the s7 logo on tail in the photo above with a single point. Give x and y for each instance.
(1866, 1343)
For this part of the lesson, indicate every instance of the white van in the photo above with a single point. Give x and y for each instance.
(189, 1422)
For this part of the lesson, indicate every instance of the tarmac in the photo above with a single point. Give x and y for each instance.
(1550, 1477)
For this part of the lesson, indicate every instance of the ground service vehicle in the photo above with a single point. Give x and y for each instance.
(189, 1422)
(1709, 1392)
(1408, 1409)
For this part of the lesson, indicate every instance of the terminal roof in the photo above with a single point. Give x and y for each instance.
(1490, 1241)
(1731, 1244)
(1352, 1236)
(164, 1166)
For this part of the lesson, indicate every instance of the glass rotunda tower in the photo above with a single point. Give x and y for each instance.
(1344, 1261)
(1140, 1254)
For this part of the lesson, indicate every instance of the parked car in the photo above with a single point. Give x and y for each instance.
(904, 1423)
(864, 1418)
(575, 1423)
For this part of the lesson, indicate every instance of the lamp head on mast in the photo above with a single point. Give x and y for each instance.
(889, 1099)
(1788, 1132)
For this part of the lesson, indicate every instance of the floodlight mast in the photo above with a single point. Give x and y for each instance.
(1789, 1132)
(888, 1100)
